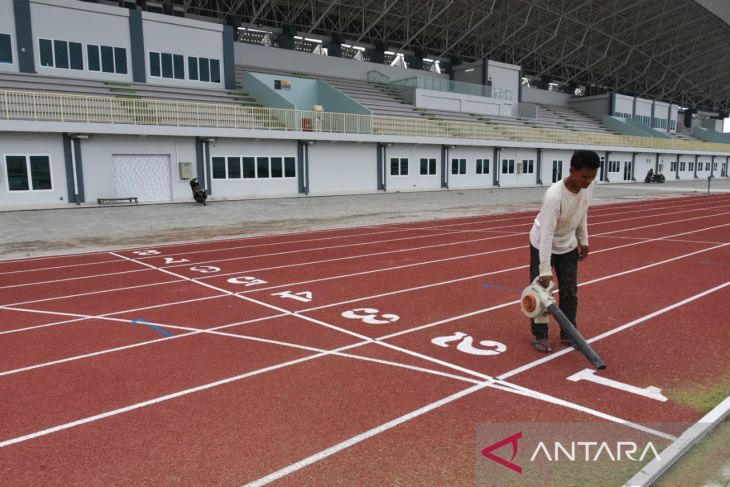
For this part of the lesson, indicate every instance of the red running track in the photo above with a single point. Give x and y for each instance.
(310, 358)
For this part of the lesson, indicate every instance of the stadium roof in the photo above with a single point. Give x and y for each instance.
(672, 50)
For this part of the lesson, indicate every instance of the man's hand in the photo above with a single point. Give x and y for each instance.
(545, 281)
(582, 252)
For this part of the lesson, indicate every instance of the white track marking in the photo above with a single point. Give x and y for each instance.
(621, 328)
(511, 269)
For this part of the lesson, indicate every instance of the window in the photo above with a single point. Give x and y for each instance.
(277, 167)
(508, 166)
(614, 166)
(458, 166)
(262, 167)
(682, 166)
(219, 168)
(166, 65)
(289, 167)
(428, 166)
(61, 54)
(673, 166)
(6, 49)
(528, 166)
(234, 168)
(399, 166)
(707, 166)
(204, 69)
(108, 59)
(482, 166)
(249, 168)
(691, 166)
(28, 173)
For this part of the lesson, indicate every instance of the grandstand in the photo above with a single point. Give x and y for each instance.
(155, 96)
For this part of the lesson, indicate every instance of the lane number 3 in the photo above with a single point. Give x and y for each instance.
(370, 316)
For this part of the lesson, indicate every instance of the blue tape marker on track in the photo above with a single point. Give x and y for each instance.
(159, 330)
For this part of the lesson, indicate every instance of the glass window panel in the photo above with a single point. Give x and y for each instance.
(92, 54)
(403, 166)
(204, 70)
(120, 60)
(219, 168)
(215, 71)
(234, 168)
(192, 68)
(394, 166)
(40, 170)
(60, 54)
(46, 48)
(76, 53)
(462, 166)
(277, 169)
(6, 50)
(155, 64)
(166, 65)
(262, 167)
(432, 166)
(424, 166)
(17, 173)
(107, 59)
(289, 167)
(179, 64)
(249, 168)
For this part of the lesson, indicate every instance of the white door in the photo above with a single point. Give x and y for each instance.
(145, 176)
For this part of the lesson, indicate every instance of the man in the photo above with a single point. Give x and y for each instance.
(559, 238)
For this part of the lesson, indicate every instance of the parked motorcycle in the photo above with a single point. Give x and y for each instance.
(198, 192)
(654, 178)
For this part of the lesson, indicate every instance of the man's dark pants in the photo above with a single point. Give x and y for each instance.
(566, 270)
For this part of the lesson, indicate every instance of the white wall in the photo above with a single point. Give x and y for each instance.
(80, 22)
(457, 102)
(644, 162)
(687, 173)
(7, 26)
(471, 179)
(302, 62)
(174, 35)
(618, 176)
(643, 108)
(505, 76)
(526, 179)
(343, 168)
(545, 97)
(244, 188)
(665, 165)
(594, 106)
(98, 169)
(702, 171)
(548, 156)
(23, 144)
(624, 104)
(413, 181)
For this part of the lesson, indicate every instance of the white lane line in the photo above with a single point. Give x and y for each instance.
(501, 271)
(618, 329)
(498, 383)
(283, 266)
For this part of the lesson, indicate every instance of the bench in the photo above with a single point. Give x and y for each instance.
(104, 201)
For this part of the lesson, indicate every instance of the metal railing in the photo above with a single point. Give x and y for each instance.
(61, 107)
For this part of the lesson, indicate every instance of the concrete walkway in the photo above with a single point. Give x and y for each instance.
(37, 232)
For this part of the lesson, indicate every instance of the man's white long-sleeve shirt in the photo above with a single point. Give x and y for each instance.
(562, 223)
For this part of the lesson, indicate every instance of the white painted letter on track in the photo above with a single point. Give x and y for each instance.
(466, 344)
(246, 281)
(144, 253)
(304, 296)
(171, 260)
(370, 316)
(206, 269)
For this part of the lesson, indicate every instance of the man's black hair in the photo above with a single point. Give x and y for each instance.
(585, 159)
